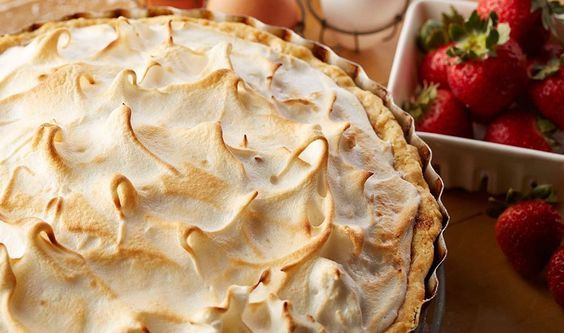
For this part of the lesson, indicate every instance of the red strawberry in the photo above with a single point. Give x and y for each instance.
(526, 26)
(532, 42)
(528, 233)
(551, 50)
(555, 275)
(438, 111)
(522, 129)
(434, 67)
(547, 90)
(491, 69)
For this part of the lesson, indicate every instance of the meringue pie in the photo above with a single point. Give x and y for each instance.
(172, 174)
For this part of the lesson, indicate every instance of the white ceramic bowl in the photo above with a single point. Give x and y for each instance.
(466, 163)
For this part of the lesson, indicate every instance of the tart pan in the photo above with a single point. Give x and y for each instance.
(434, 286)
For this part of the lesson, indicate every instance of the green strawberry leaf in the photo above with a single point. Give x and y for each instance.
(431, 36)
(547, 129)
(513, 196)
(543, 192)
(453, 18)
(540, 72)
(545, 126)
(474, 22)
(424, 97)
(478, 38)
(453, 22)
(456, 32)
(492, 39)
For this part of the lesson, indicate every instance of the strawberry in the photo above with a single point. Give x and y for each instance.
(436, 110)
(491, 69)
(532, 42)
(528, 232)
(434, 66)
(555, 275)
(547, 90)
(525, 23)
(522, 129)
(551, 50)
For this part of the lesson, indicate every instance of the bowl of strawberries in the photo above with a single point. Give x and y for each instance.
(484, 82)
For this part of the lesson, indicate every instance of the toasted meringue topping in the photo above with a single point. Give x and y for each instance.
(165, 176)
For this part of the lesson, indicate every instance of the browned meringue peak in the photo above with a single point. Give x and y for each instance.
(334, 300)
(245, 245)
(20, 72)
(69, 291)
(127, 41)
(206, 181)
(268, 315)
(60, 287)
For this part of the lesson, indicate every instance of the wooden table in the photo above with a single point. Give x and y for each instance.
(483, 294)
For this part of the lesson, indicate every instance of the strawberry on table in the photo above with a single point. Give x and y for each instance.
(522, 129)
(436, 110)
(434, 66)
(547, 90)
(555, 275)
(490, 69)
(529, 231)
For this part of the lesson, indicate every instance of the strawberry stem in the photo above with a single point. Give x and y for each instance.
(540, 71)
(547, 129)
(544, 192)
(477, 38)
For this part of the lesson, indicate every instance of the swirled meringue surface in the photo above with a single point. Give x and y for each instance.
(162, 175)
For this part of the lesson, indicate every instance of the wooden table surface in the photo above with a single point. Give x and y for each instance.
(483, 294)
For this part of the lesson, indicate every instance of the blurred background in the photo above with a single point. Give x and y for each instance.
(16, 15)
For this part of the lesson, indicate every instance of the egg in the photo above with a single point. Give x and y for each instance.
(285, 13)
(184, 4)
